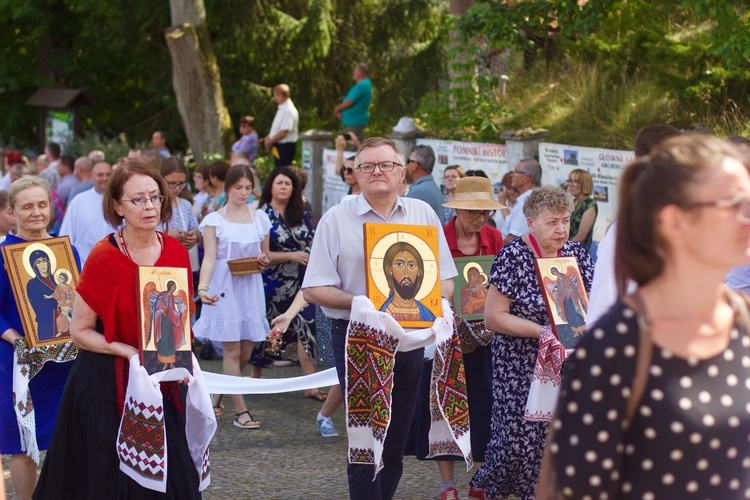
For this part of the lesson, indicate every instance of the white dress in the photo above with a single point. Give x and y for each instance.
(241, 313)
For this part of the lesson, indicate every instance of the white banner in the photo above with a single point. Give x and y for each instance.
(604, 165)
(470, 155)
(228, 384)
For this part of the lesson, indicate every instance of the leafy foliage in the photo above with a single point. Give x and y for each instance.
(617, 65)
(116, 52)
(472, 109)
(113, 148)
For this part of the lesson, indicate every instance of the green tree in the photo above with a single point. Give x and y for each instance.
(116, 52)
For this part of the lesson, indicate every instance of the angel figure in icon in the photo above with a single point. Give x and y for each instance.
(168, 314)
(571, 307)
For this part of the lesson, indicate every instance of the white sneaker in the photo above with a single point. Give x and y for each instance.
(326, 428)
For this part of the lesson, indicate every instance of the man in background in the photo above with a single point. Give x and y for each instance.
(282, 139)
(68, 180)
(159, 141)
(419, 174)
(50, 171)
(84, 173)
(354, 110)
(526, 177)
(604, 290)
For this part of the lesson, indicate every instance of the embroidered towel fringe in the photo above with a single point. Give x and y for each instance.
(545, 384)
(449, 403)
(373, 338)
(142, 439)
(26, 364)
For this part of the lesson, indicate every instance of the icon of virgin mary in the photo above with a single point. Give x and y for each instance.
(40, 290)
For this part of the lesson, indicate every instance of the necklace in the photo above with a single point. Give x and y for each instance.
(124, 245)
(537, 249)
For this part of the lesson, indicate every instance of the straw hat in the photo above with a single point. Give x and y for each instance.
(474, 193)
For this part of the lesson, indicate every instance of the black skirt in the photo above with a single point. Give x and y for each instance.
(82, 461)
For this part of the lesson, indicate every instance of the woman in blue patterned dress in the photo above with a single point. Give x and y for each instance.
(515, 309)
(291, 237)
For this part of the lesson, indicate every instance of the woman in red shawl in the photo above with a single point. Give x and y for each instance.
(82, 460)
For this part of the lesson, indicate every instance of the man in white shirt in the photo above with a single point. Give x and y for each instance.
(526, 176)
(285, 128)
(84, 220)
(336, 274)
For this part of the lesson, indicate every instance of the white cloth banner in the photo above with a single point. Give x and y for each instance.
(470, 155)
(142, 446)
(229, 384)
(545, 384)
(370, 382)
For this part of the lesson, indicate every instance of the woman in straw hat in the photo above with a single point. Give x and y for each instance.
(467, 236)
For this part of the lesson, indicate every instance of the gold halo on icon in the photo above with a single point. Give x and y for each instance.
(67, 274)
(428, 257)
(44, 248)
(472, 265)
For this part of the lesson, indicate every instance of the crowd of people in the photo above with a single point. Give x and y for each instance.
(653, 400)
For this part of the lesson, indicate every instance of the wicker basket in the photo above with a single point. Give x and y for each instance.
(240, 267)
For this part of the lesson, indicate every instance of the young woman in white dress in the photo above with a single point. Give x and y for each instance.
(234, 311)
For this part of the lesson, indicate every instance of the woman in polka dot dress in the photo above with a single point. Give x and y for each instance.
(515, 308)
(684, 222)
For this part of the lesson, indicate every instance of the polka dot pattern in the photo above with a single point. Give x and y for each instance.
(690, 436)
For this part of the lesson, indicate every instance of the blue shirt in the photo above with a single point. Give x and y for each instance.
(427, 190)
(358, 114)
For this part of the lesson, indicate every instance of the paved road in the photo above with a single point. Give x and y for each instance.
(287, 458)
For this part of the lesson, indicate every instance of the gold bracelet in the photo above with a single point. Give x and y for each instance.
(201, 285)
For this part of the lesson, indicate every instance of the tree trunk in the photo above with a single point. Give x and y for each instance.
(196, 81)
(457, 67)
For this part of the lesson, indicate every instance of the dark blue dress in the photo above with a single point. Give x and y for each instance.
(46, 387)
(282, 281)
(514, 453)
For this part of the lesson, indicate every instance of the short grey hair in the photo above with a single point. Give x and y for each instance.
(376, 142)
(425, 156)
(553, 198)
(84, 163)
(25, 183)
(534, 170)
